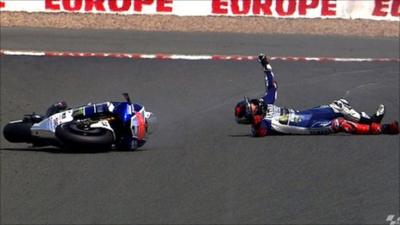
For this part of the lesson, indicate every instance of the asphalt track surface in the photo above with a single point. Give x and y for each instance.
(201, 167)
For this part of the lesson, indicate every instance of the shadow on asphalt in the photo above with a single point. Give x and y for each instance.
(297, 135)
(67, 151)
(240, 135)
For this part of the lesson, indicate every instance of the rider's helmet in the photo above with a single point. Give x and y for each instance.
(242, 115)
(246, 109)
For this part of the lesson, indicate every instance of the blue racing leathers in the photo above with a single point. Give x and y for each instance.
(278, 120)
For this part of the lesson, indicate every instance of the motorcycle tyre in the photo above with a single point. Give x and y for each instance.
(72, 137)
(18, 132)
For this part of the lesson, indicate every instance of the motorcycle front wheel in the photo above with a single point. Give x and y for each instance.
(75, 136)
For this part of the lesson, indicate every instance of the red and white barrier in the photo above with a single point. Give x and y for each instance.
(345, 9)
(187, 57)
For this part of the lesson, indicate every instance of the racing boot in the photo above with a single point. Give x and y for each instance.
(391, 128)
(343, 107)
(378, 116)
(262, 58)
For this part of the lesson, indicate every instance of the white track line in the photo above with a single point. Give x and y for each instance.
(187, 57)
(28, 53)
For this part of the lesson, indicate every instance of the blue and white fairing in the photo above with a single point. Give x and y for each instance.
(136, 122)
(125, 111)
(133, 115)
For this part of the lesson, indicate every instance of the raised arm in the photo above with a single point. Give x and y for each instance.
(270, 83)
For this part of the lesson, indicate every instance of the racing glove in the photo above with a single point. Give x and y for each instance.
(262, 58)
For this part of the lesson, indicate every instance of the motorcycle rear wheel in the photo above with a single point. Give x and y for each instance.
(18, 132)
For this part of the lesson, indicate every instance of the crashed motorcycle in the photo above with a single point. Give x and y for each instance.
(108, 125)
